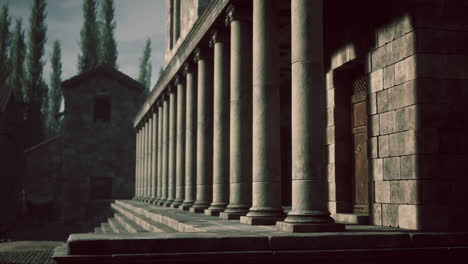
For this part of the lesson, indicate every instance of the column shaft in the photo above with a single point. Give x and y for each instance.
(220, 125)
(160, 153)
(266, 167)
(309, 211)
(145, 159)
(180, 163)
(240, 143)
(172, 147)
(137, 164)
(204, 134)
(165, 151)
(190, 137)
(150, 157)
(154, 156)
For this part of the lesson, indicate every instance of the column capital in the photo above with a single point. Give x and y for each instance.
(176, 81)
(200, 54)
(218, 35)
(237, 12)
(187, 68)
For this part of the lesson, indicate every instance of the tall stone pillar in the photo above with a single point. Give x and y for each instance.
(149, 157)
(309, 211)
(204, 132)
(154, 156)
(266, 166)
(145, 159)
(172, 144)
(160, 151)
(137, 162)
(180, 161)
(240, 136)
(165, 150)
(190, 136)
(220, 123)
(140, 162)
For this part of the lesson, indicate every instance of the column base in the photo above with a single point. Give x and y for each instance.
(185, 206)
(169, 203)
(263, 216)
(231, 215)
(155, 202)
(197, 210)
(199, 207)
(268, 220)
(152, 200)
(161, 202)
(309, 227)
(176, 204)
(212, 212)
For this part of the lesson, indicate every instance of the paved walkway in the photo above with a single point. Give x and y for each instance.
(35, 252)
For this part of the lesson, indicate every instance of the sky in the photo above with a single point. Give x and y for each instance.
(137, 20)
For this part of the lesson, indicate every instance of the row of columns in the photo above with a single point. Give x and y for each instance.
(211, 143)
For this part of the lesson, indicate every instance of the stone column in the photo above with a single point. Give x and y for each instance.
(145, 160)
(190, 136)
(266, 166)
(240, 157)
(309, 211)
(172, 145)
(180, 162)
(149, 156)
(159, 149)
(165, 150)
(137, 162)
(140, 162)
(204, 132)
(154, 156)
(220, 124)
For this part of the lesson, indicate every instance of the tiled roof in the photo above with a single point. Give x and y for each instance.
(103, 70)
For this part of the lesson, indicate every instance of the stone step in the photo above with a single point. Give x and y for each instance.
(163, 215)
(106, 228)
(128, 224)
(98, 230)
(116, 226)
(142, 220)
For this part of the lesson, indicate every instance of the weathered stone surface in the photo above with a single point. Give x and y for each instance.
(376, 214)
(405, 119)
(376, 169)
(387, 123)
(374, 125)
(391, 168)
(405, 192)
(383, 146)
(376, 81)
(389, 76)
(382, 101)
(408, 216)
(390, 215)
(382, 191)
(408, 167)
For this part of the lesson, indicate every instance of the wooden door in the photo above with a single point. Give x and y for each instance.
(360, 164)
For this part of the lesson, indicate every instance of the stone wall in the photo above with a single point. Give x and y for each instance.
(43, 181)
(100, 156)
(416, 69)
(190, 11)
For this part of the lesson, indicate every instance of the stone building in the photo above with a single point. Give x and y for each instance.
(300, 116)
(11, 160)
(72, 177)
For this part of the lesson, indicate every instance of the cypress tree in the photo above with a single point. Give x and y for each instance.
(88, 59)
(4, 44)
(17, 76)
(55, 92)
(145, 67)
(37, 89)
(108, 43)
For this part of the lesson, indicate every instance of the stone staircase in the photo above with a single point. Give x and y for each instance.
(131, 218)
